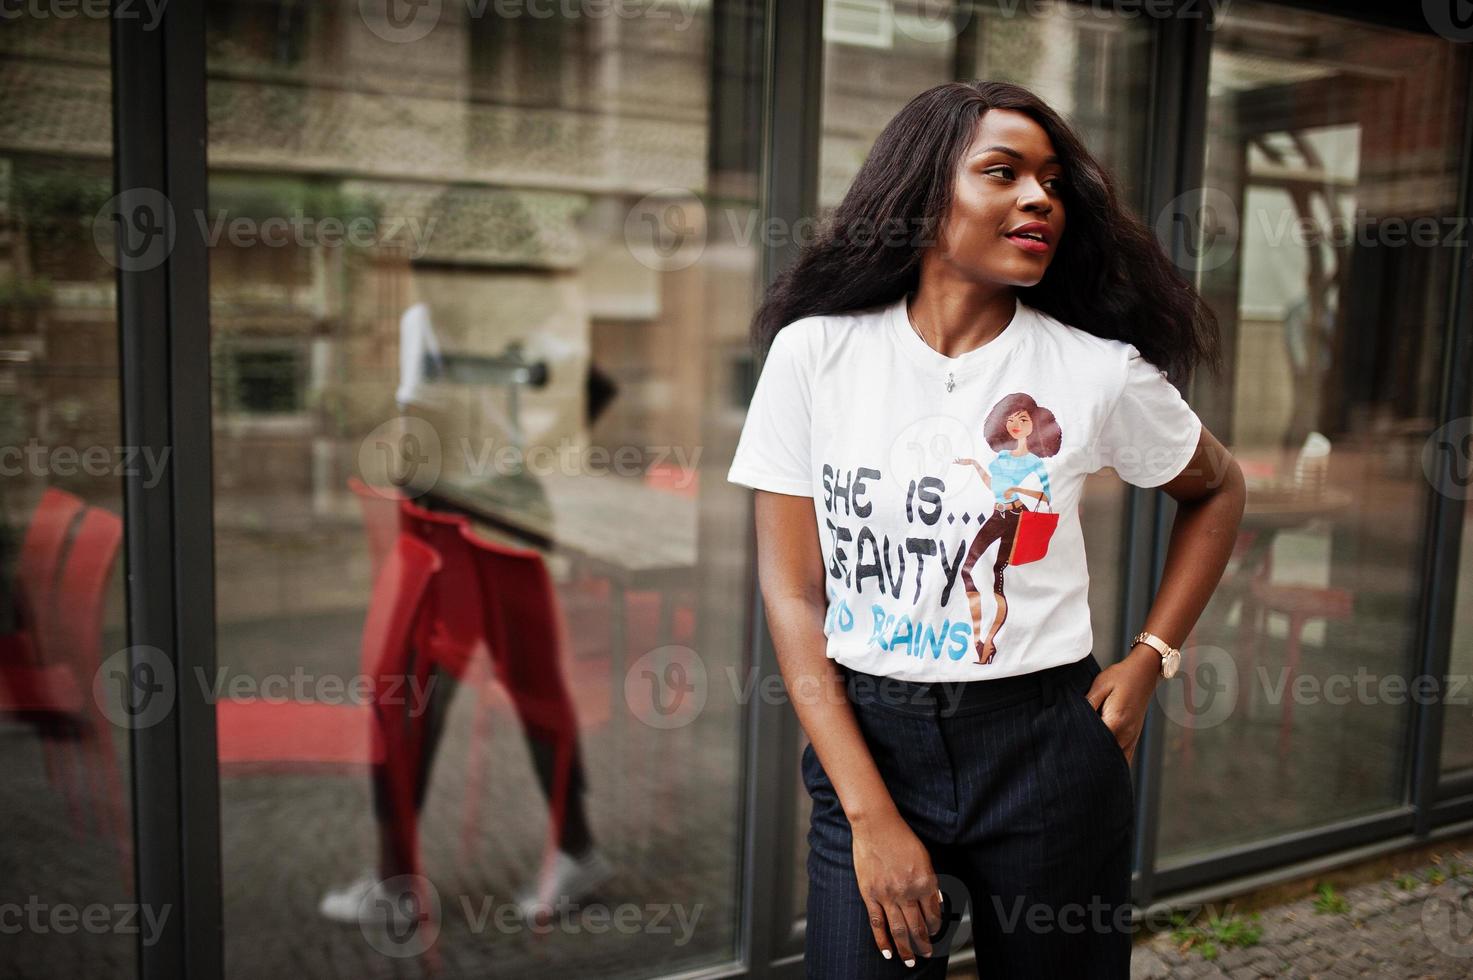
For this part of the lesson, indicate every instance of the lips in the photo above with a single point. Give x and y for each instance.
(1032, 237)
(1033, 231)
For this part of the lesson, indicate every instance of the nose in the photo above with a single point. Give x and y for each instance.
(1034, 198)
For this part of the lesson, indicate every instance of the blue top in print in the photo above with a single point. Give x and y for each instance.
(1010, 471)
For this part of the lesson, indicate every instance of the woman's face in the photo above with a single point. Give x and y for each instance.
(1007, 213)
(1020, 425)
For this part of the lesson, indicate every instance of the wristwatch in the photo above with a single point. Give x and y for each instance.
(1170, 655)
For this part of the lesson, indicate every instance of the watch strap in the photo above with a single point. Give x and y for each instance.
(1159, 645)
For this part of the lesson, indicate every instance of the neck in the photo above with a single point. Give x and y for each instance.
(955, 318)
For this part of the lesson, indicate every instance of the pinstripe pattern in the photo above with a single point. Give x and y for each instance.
(1019, 792)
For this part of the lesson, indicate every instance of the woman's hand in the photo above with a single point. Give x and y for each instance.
(899, 887)
(1124, 689)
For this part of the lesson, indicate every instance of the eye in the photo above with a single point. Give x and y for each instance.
(1003, 167)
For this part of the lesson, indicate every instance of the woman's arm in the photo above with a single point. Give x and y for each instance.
(892, 865)
(1210, 495)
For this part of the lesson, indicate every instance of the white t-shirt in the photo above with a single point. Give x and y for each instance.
(854, 411)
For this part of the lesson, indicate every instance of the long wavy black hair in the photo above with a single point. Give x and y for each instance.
(1108, 277)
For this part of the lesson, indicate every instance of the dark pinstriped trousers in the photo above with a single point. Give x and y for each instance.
(1023, 799)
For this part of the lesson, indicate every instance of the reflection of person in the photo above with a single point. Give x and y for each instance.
(542, 702)
(578, 868)
(1007, 780)
(1022, 433)
(545, 713)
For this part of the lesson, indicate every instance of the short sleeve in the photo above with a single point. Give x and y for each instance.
(773, 450)
(1151, 433)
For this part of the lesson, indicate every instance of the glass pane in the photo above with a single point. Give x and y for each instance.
(1099, 79)
(1457, 720)
(66, 849)
(1332, 162)
(476, 263)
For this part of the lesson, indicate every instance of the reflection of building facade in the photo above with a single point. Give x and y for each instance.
(530, 181)
(491, 154)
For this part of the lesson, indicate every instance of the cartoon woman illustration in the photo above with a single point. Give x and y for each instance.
(1024, 434)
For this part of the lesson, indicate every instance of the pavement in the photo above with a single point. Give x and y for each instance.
(1413, 920)
(1416, 922)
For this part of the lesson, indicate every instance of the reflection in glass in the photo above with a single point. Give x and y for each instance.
(1457, 732)
(476, 284)
(1334, 316)
(67, 849)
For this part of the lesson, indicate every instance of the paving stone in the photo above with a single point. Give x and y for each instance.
(1382, 936)
(1147, 964)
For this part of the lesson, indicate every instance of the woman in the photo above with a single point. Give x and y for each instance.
(1009, 430)
(943, 282)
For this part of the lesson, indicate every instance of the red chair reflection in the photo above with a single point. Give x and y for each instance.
(1299, 604)
(77, 642)
(64, 647)
(27, 685)
(259, 734)
(380, 509)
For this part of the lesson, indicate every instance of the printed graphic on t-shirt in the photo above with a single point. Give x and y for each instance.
(948, 533)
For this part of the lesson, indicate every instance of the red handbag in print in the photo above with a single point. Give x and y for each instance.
(1030, 542)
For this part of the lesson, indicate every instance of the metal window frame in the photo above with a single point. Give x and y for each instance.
(158, 108)
(1176, 158)
(1433, 792)
(771, 941)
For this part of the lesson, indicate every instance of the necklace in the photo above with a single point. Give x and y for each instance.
(950, 377)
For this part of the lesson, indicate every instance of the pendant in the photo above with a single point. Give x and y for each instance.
(950, 381)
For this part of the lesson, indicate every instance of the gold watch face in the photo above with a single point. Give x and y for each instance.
(1170, 663)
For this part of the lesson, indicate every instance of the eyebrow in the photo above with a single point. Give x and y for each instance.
(1012, 153)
